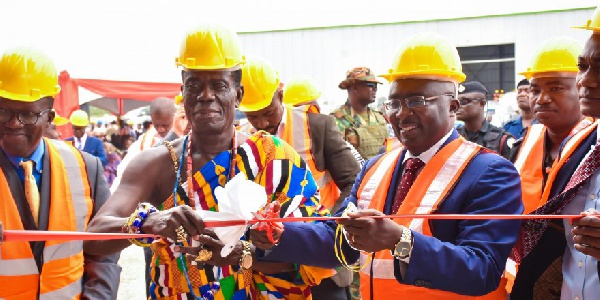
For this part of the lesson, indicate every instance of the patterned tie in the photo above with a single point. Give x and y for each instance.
(532, 229)
(410, 171)
(31, 189)
(79, 145)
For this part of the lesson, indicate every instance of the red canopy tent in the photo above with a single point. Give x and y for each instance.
(118, 97)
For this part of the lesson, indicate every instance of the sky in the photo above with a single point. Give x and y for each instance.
(138, 40)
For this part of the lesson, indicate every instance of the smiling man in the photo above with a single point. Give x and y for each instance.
(436, 171)
(45, 184)
(177, 179)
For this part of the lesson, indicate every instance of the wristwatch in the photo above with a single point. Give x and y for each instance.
(404, 246)
(246, 259)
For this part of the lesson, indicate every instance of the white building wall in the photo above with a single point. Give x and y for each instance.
(326, 54)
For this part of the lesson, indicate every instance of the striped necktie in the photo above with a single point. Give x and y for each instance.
(31, 189)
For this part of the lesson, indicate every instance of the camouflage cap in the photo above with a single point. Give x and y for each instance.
(358, 74)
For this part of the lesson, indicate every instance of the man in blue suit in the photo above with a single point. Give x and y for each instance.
(416, 258)
(559, 259)
(92, 145)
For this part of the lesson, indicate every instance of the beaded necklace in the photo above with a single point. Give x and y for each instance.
(187, 151)
(218, 169)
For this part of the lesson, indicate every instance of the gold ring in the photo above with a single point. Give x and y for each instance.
(182, 236)
(204, 255)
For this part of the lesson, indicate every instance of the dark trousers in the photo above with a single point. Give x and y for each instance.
(328, 290)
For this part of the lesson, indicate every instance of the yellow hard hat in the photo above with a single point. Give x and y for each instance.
(594, 23)
(300, 89)
(178, 99)
(27, 75)
(60, 121)
(210, 47)
(79, 118)
(557, 54)
(260, 81)
(427, 55)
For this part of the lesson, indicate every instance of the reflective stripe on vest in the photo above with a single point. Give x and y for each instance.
(70, 210)
(534, 133)
(431, 187)
(296, 132)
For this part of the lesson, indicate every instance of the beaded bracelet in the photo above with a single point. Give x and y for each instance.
(135, 221)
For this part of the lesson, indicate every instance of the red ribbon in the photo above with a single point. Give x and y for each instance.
(36, 235)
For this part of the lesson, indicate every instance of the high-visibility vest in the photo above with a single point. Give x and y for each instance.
(70, 209)
(529, 163)
(391, 143)
(530, 159)
(425, 196)
(296, 132)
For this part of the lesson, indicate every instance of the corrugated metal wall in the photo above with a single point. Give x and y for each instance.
(326, 54)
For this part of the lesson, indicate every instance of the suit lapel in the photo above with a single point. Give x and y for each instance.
(45, 192)
(16, 189)
(568, 169)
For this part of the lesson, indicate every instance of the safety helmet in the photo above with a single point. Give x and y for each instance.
(260, 81)
(27, 75)
(428, 56)
(79, 118)
(556, 55)
(210, 47)
(300, 89)
(592, 24)
(178, 99)
(60, 121)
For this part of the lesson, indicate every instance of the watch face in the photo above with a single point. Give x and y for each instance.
(247, 261)
(403, 249)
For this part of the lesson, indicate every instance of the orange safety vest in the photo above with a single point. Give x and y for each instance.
(424, 197)
(530, 158)
(529, 163)
(391, 143)
(70, 210)
(296, 132)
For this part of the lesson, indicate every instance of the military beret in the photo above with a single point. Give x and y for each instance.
(471, 86)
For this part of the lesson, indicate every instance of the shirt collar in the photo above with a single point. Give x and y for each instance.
(429, 153)
(36, 157)
(281, 126)
(83, 139)
(485, 127)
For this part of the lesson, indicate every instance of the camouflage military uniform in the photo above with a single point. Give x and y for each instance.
(367, 136)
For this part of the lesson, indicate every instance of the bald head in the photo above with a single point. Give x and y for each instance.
(162, 106)
(162, 111)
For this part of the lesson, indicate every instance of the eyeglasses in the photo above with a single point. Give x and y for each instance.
(411, 102)
(371, 84)
(25, 117)
(466, 101)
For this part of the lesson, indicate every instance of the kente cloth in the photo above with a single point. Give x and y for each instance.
(268, 161)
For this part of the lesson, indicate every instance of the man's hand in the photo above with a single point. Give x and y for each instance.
(211, 242)
(261, 240)
(165, 223)
(586, 234)
(371, 235)
(1, 233)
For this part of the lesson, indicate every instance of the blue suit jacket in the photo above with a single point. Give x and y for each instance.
(553, 242)
(463, 256)
(95, 147)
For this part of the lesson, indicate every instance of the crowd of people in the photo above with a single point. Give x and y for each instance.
(346, 164)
